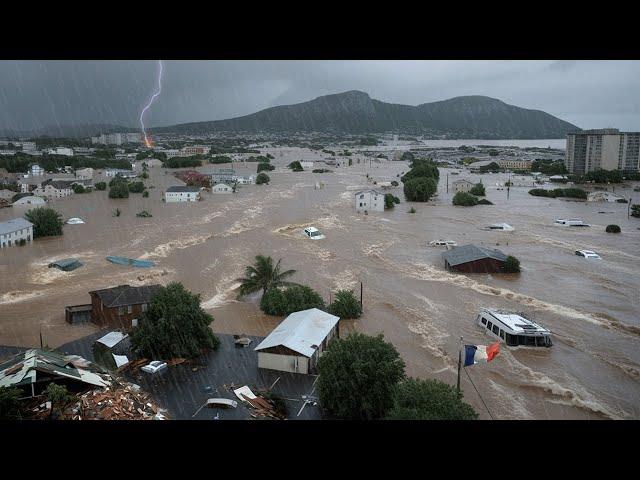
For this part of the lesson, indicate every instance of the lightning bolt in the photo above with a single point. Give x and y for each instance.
(147, 140)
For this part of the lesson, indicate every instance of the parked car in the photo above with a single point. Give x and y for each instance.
(313, 233)
(154, 367)
(588, 254)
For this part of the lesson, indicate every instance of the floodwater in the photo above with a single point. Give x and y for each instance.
(592, 307)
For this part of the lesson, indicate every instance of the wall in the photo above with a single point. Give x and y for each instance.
(283, 363)
(110, 316)
(484, 265)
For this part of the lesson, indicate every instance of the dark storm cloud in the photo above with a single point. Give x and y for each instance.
(35, 94)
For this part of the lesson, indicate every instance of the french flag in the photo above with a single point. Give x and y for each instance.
(480, 353)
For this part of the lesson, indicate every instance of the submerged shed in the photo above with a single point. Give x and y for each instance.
(474, 259)
(66, 264)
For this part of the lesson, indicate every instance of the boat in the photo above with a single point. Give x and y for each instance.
(131, 262)
(503, 227)
(572, 222)
(514, 329)
(74, 221)
(66, 264)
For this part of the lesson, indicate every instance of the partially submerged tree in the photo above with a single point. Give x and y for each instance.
(464, 199)
(262, 178)
(345, 305)
(478, 190)
(296, 166)
(262, 275)
(119, 190)
(511, 265)
(174, 326)
(291, 299)
(46, 222)
(420, 189)
(358, 376)
(415, 399)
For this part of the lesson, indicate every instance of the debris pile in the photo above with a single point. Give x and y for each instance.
(261, 406)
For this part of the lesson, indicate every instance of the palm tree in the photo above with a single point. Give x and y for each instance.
(263, 275)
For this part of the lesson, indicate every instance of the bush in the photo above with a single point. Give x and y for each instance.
(321, 170)
(262, 178)
(220, 159)
(622, 200)
(464, 199)
(136, 187)
(295, 166)
(477, 190)
(119, 190)
(345, 305)
(265, 166)
(415, 399)
(412, 210)
(492, 167)
(291, 299)
(144, 214)
(612, 229)
(358, 376)
(174, 326)
(484, 201)
(145, 194)
(46, 222)
(390, 201)
(511, 265)
(10, 403)
(420, 189)
(559, 192)
(101, 186)
(78, 188)
(394, 183)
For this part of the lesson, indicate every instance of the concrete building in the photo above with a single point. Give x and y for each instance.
(67, 152)
(515, 164)
(462, 185)
(113, 172)
(603, 149)
(85, 173)
(52, 189)
(298, 342)
(223, 175)
(306, 165)
(182, 194)
(244, 180)
(369, 200)
(36, 171)
(221, 188)
(191, 150)
(15, 230)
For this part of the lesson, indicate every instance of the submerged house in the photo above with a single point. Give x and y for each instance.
(182, 194)
(369, 200)
(298, 342)
(121, 306)
(13, 232)
(221, 188)
(33, 370)
(474, 259)
(462, 185)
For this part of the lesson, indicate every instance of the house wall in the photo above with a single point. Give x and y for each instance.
(13, 238)
(483, 265)
(283, 363)
(105, 316)
(462, 187)
(181, 196)
(370, 202)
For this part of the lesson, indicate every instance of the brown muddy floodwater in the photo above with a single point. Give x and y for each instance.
(592, 371)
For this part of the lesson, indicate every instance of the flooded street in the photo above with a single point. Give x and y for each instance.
(592, 307)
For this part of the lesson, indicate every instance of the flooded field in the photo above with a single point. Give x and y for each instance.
(592, 307)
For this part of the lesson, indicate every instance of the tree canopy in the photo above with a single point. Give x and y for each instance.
(415, 399)
(345, 305)
(420, 189)
(174, 326)
(262, 275)
(358, 375)
(262, 178)
(46, 222)
(291, 299)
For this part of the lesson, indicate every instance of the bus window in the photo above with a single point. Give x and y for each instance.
(484, 321)
(495, 329)
(489, 324)
(502, 334)
(530, 341)
(512, 340)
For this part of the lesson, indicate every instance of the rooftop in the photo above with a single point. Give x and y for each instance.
(471, 253)
(183, 189)
(301, 331)
(517, 322)
(14, 225)
(369, 190)
(126, 295)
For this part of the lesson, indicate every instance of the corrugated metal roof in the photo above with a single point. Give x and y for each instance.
(123, 295)
(14, 225)
(470, 253)
(182, 189)
(300, 330)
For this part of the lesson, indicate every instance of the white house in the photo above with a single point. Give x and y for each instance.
(112, 172)
(306, 165)
(242, 180)
(86, 173)
(298, 342)
(68, 152)
(221, 188)
(182, 194)
(462, 185)
(51, 189)
(369, 200)
(13, 231)
(36, 171)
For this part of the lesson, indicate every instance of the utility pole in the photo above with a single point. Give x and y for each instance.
(459, 364)
(508, 185)
(629, 208)
(360, 294)
(447, 183)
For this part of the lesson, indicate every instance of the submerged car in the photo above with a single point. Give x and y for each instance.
(443, 243)
(154, 367)
(74, 221)
(502, 227)
(313, 233)
(588, 254)
(572, 222)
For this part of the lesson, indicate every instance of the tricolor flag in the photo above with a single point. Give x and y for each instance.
(480, 353)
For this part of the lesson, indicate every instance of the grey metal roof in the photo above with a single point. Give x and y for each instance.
(183, 189)
(126, 295)
(14, 225)
(301, 331)
(470, 253)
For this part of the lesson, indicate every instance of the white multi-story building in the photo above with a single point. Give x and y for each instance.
(36, 171)
(52, 189)
(112, 172)
(369, 200)
(603, 149)
(66, 151)
(242, 180)
(15, 230)
(182, 194)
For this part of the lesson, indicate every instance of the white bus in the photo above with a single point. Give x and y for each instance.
(514, 329)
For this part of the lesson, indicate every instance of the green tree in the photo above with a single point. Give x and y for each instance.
(145, 194)
(262, 178)
(345, 305)
(295, 166)
(174, 326)
(613, 229)
(422, 168)
(136, 187)
(119, 190)
(291, 299)
(78, 188)
(420, 189)
(477, 190)
(511, 265)
(262, 275)
(265, 166)
(492, 167)
(101, 186)
(10, 403)
(464, 199)
(394, 183)
(46, 222)
(358, 376)
(415, 399)
(58, 395)
(390, 200)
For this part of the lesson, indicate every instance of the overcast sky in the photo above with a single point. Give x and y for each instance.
(33, 94)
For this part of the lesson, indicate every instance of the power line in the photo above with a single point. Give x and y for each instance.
(474, 386)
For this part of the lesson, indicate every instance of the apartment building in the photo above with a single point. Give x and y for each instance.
(13, 231)
(516, 164)
(191, 150)
(602, 149)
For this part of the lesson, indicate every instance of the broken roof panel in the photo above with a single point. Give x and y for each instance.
(112, 338)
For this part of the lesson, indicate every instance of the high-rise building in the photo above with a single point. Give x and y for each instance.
(603, 149)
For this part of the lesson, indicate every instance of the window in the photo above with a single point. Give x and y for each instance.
(512, 340)
(129, 309)
(489, 325)
(120, 310)
(484, 321)
(495, 329)
(502, 334)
